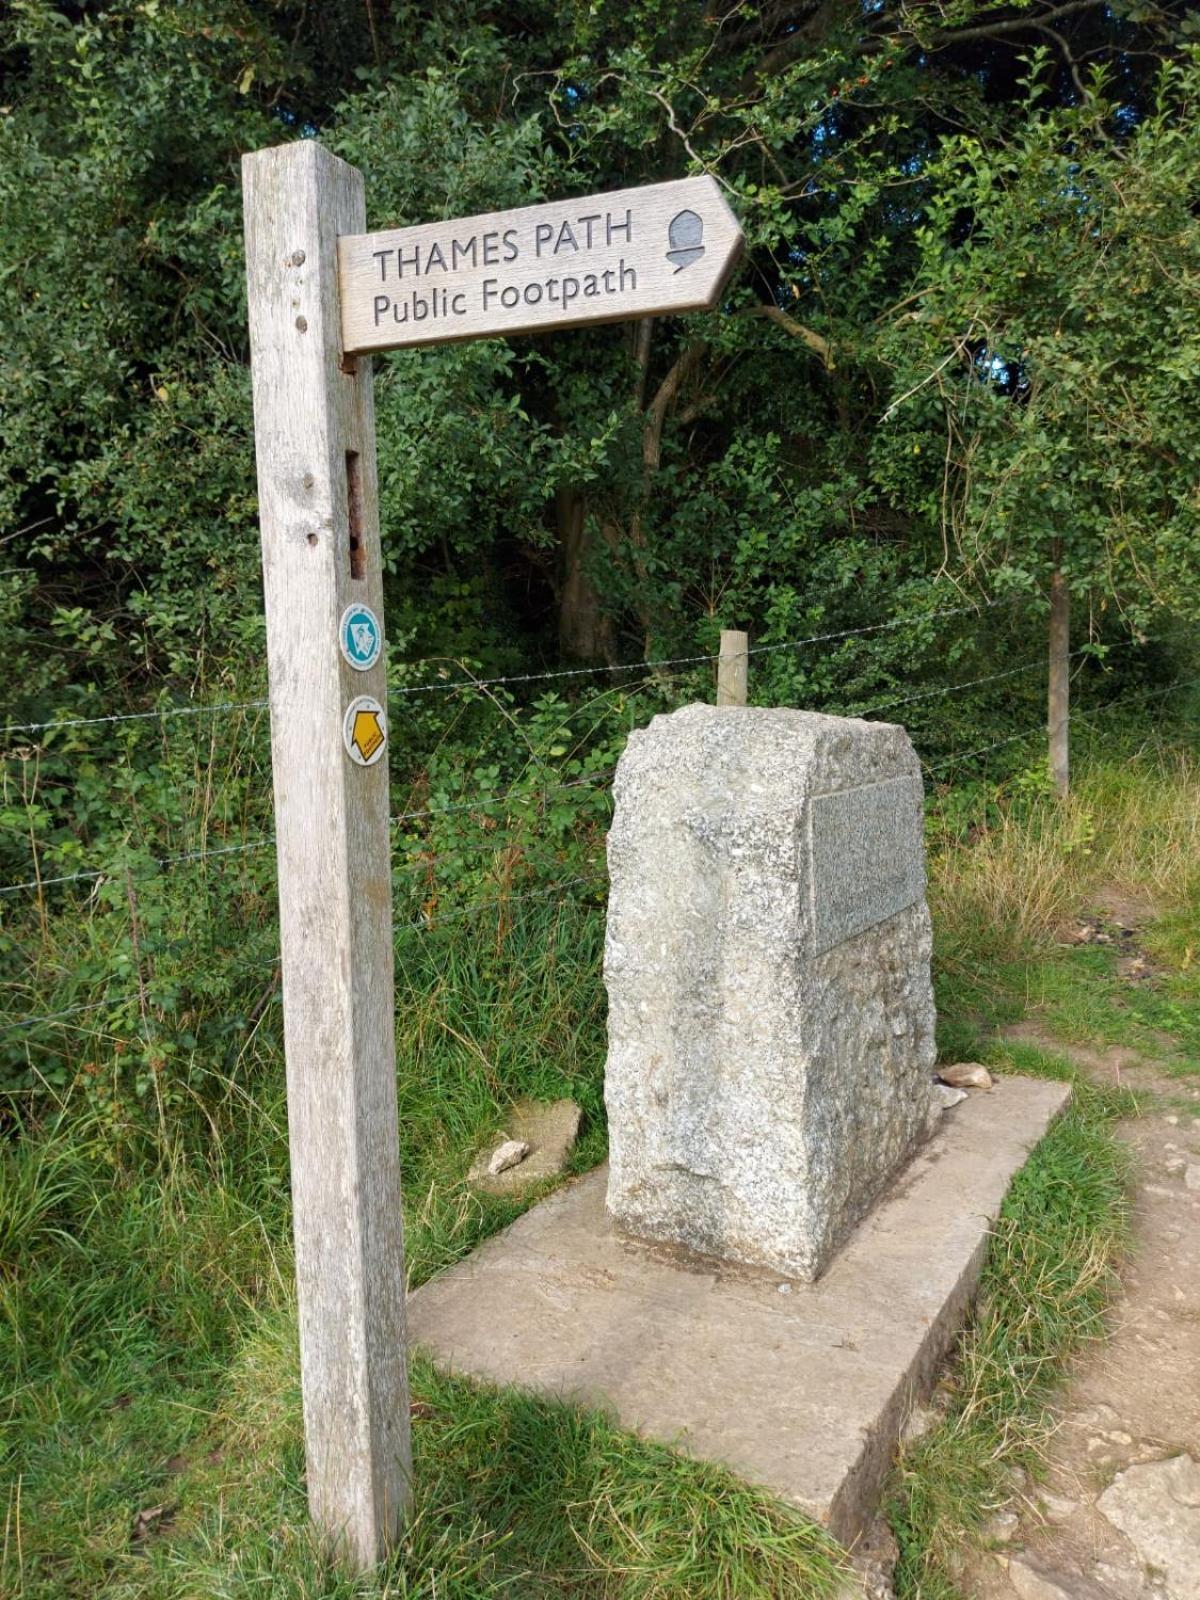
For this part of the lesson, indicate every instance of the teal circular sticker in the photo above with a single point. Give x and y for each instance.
(360, 637)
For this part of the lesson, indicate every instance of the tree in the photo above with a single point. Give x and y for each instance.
(1044, 371)
(609, 493)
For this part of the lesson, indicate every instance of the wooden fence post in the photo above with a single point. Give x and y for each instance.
(733, 668)
(1058, 710)
(314, 425)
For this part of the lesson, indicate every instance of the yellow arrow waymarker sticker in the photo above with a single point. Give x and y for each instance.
(368, 734)
(364, 730)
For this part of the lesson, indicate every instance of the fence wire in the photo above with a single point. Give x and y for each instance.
(161, 713)
(525, 795)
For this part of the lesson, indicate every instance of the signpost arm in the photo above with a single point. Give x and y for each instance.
(318, 506)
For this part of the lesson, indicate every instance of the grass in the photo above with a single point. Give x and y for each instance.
(1049, 1277)
(151, 1435)
(150, 1438)
(514, 1496)
(1006, 905)
(1132, 827)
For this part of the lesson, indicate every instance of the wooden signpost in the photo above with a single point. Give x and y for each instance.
(322, 293)
(667, 247)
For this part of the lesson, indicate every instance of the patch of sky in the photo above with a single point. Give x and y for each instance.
(897, 216)
(824, 130)
(574, 94)
(1006, 376)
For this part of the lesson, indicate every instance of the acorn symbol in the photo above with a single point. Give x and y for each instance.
(685, 235)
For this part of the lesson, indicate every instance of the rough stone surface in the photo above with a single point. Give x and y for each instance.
(548, 1128)
(1157, 1507)
(1056, 1507)
(803, 1393)
(1032, 1583)
(767, 959)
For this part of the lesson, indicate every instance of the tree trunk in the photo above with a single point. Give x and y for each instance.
(681, 372)
(1058, 702)
(584, 628)
(585, 631)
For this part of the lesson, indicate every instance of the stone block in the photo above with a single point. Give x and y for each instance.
(802, 1388)
(548, 1130)
(771, 1016)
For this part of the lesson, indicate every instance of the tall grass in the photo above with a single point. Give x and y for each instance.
(146, 1314)
(152, 1440)
(1010, 888)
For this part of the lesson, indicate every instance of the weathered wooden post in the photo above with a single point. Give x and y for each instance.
(323, 294)
(733, 665)
(314, 425)
(1058, 705)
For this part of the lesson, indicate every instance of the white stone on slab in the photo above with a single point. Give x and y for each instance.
(548, 1129)
(804, 1394)
(767, 960)
(506, 1155)
(966, 1075)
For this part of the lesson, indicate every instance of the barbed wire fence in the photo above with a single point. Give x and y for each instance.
(526, 797)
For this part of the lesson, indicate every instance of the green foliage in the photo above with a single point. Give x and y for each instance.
(1043, 384)
(730, 469)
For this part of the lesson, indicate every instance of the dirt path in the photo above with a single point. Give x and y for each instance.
(1118, 1516)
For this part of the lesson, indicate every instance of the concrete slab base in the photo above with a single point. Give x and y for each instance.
(800, 1388)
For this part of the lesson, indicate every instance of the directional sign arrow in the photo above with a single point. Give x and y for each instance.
(364, 732)
(367, 734)
(666, 247)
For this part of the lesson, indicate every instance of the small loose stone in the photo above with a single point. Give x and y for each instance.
(966, 1075)
(947, 1097)
(510, 1154)
(1192, 1178)
(920, 1420)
